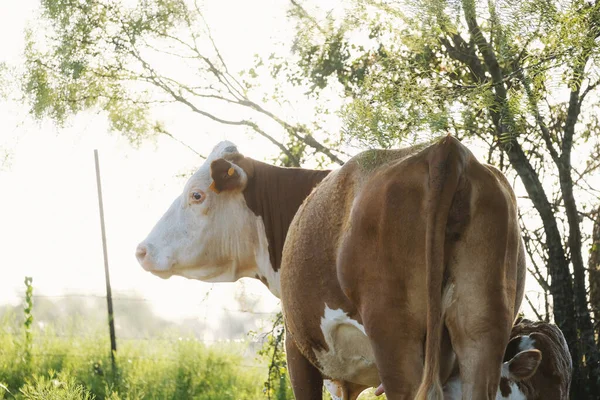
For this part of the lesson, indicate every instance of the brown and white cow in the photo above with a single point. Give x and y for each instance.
(537, 365)
(380, 251)
(375, 256)
(230, 221)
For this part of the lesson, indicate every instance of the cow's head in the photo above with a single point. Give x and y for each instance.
(208, 233)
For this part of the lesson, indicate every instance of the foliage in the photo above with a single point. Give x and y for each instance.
(28, 322)
(403, 65)
(128, 58)
(61, 387)
(520, 77)
(160, 368)
(273, 351)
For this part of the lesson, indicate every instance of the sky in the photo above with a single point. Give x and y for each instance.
(49, 223)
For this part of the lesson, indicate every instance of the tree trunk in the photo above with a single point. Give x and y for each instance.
(594, 275)
(561, 286)
(588, 349)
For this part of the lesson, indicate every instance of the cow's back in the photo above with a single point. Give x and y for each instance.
(332, 270)
(309, 278)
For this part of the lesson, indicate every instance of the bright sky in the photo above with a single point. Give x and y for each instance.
(49, 223)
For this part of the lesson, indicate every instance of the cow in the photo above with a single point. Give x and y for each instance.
(230, 221)
(394, 269)
(401, 265)
(537, 365)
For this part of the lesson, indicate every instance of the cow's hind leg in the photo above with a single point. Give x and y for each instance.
(479, 317)
(307, 381)
(398, 350)
(479, 335)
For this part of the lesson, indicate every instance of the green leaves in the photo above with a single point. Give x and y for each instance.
(28, 321)
(273, 351)
(55, 387)
(129, 58)
(427, 74)
(82, 55)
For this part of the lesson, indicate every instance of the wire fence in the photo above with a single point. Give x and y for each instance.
(253, 327)
(248, 344)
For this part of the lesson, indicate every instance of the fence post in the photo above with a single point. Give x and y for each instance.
(28, 309)
(111, 318)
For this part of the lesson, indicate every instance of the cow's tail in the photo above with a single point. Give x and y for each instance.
(446, 165)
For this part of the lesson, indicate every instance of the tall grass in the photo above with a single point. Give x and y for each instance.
(70, 360)
(78, 367)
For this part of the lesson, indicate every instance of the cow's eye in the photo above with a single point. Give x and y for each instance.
(197, 197)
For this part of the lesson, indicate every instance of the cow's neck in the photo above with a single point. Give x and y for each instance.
(274, 194)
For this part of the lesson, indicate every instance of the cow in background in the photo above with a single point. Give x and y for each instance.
(537, 365)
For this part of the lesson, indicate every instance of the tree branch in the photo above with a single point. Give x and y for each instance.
(156, 80)
(537, 314)
(461, 51)
(240, 99)
(162, 130)
(306, 15)
(587, 90)
(538, 117)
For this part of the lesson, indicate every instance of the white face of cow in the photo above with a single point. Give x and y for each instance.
(208, 233)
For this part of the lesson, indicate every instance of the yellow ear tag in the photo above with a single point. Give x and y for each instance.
(230, 171)
(214, 188)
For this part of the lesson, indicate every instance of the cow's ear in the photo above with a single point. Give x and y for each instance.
(246, 164)
(226, 176)
(524, 365)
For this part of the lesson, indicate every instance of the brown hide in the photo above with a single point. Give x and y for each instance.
(358, 244)
(311, 279)
(552, 379)
(275, 194)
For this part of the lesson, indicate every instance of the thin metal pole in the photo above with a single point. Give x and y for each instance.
(111, 317)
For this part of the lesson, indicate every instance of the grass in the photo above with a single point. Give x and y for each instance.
(79, 367)
(74, 363)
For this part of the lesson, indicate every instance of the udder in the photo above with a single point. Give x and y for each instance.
(349, 356)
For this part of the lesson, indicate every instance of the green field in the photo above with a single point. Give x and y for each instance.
(73, 367)
(77, 365)
(65, 354)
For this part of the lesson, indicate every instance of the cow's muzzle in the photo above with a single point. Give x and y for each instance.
(141, 254)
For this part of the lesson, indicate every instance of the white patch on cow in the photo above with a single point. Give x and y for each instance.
(336, 317)
(334, 389)
(349, 356)
(505, 371)
(263, 260)
(216, 240)
(527, 343)
(453, 389)
(515, 393)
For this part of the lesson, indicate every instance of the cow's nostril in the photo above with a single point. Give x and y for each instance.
(140, 252)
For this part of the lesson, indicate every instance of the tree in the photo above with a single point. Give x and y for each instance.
(497, 72)
(594, 273)
(126, 59)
